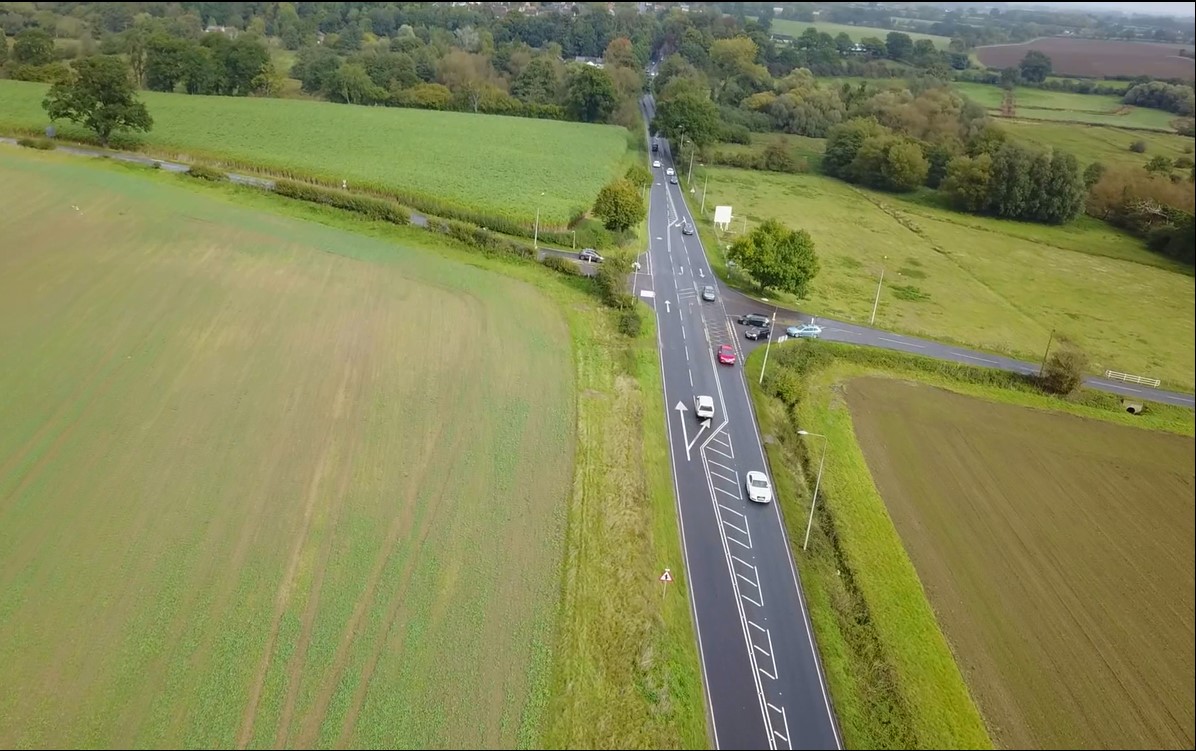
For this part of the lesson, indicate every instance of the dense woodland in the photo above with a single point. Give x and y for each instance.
(721, 75)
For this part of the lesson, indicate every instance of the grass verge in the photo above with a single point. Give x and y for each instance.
(616, 663)
(893, 677)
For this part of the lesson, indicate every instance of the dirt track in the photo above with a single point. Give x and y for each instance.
(1057, 554)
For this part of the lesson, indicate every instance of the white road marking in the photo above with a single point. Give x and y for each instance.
(901, 341)
(647, 293)
(721, 466)
(725, 492)
(977, 359)
(691, 379)
(722, 477)
(738, 529)
(724, 453)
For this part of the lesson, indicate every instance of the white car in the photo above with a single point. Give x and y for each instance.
(669, 172)
(655, 164)
(704, 407)
(759, 489)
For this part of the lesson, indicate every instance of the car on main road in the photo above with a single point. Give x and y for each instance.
(726, 354)
(758, 332)
(759, 489)
(703, 407)
(655, 145)
(708, 293)
(655, 164)
(804, 331)
(673, 179)
(686, 227)
(670, 172)
(753, 319)
(590, 255)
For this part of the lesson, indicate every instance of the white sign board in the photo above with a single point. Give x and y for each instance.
(722, 216)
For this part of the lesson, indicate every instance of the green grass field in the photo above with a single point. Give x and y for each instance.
(796, 28)
(1056, 553)
(1095, 109)
(973, 280)
(506, 165)
(1092, 143)
(245, 498)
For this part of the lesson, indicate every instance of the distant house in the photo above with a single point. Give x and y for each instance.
(229, 31)
(593, 62)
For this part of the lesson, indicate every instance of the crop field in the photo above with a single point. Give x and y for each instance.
(796, 28)
(1057, 554)
(963, 278)
(1097, 109)
(265, 482)
(1094, 143)
(1094, 58)
(506, 165)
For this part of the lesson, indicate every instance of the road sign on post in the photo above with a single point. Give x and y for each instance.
(667, 576)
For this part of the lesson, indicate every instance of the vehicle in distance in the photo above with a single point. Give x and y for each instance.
(670, 172)
(804, 331)
(655, 145)
(758, 332)
(704, 407)
(753, 319)
(759, 489)
(655, 164)
(686, 227)
(708, 293)
(726, 354)
(590, 255)
(673, 179)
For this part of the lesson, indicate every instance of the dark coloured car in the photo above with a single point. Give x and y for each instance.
(686, 228)
(754, 319)
(589, 255)
(757, 332)
(655, 145)
(673, 179)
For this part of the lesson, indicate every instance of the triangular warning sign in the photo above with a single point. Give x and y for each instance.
(667, 576)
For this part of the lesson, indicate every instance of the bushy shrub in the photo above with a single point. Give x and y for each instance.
(631, 323)
(1064, 371)
(204, 172)
(563, 265)
(42, 144)
(374, 208)
(1138, 147)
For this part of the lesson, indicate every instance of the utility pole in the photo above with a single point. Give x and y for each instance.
(771, 324)
(1042, 367)
(876, 302)
(536, 232)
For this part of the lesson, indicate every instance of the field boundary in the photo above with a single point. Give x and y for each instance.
(893, 673)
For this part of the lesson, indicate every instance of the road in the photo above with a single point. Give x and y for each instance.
(764, 684)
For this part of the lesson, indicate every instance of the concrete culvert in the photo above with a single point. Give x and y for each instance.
(1133, 408)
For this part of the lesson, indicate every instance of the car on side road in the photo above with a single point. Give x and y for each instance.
(758, 332)
(804, 331)
(589, 255)
(704, 407)
(726, 354)
(708, 293)
(655, 164)
(759, 489)
(753, 319)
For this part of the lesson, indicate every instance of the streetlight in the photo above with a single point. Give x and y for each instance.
(704, 184)
(690, 177)
(817, 484)
(771, 323)
(877, 300)
(536, 233)
(575, 239)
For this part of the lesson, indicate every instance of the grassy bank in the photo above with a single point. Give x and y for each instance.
(892, 674)
(613, 663)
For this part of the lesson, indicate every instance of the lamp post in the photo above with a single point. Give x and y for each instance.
(704, 184)
(817, 484)
(690, 177)
(575, 239)
(771, 323)
(877, 300)
(536, 232)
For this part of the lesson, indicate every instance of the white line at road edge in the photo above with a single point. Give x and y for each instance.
(801, 601)
(693, 607)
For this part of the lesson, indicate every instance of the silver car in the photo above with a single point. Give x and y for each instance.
(708, 293)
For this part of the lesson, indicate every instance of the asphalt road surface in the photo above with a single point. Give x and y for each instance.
(763, 680)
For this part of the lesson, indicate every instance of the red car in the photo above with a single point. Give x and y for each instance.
(726, 354)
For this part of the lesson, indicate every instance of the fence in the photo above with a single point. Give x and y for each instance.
(1128, 378)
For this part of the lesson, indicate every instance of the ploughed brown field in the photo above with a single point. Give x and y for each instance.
(1095, 57)
(1057, 554)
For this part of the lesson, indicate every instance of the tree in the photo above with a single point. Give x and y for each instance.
(165, 62)
(591, 96)
(100, 97)
(1138, 147)
(639, 175)
(33, 47)
(966, 184)
(537, 83)
(619, 53)
(889, 162)
(1064, 371)
(692, 114)
(777, 257)
(314, 67)
(1159, 165)
(619, 205)
(3, 47)
(898, 46)
(1092, 174)
(844, 142)
(352, 85)
(1035, 67)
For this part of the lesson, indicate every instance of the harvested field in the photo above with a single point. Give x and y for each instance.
(1057, 553)
(1094, 58)
(267, 482)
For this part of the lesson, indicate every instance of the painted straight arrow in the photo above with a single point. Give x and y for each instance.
(666, 309)
(684, 434)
